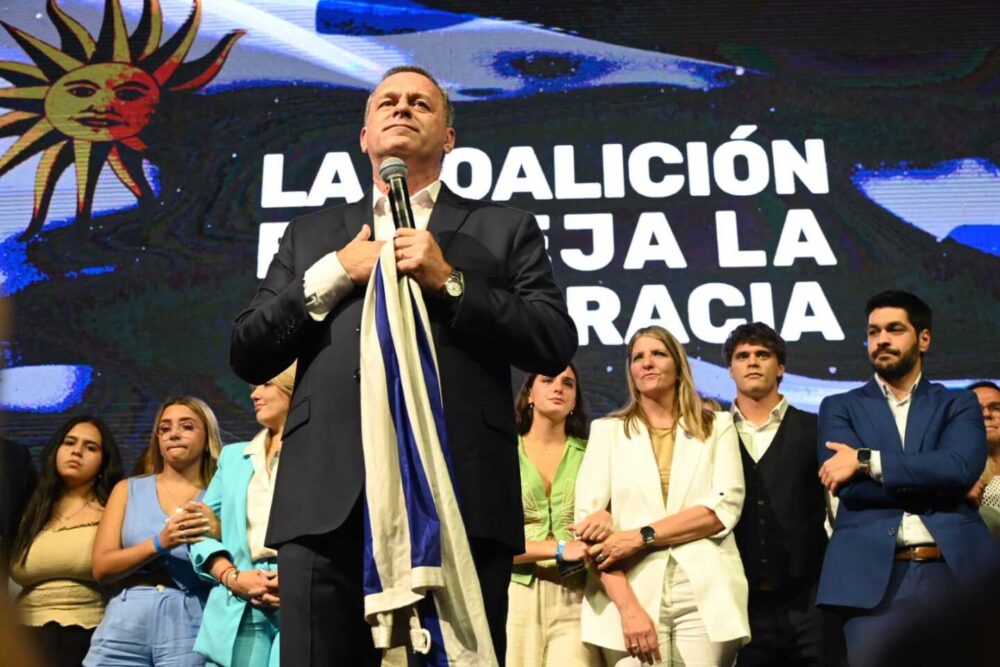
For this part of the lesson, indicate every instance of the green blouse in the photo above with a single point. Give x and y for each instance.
(551, 514)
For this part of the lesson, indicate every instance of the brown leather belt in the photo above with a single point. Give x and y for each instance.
(919, 553)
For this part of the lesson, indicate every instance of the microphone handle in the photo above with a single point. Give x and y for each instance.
(399, 202)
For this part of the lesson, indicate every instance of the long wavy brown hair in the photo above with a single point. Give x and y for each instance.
(688, 405)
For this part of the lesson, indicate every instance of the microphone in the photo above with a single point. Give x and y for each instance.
(393, 172)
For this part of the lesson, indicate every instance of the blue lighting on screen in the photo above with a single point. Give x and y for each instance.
(954, 199)
(336, 17)
(43, 389)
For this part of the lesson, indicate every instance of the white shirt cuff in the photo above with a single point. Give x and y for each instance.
(325, 283)
(875, 466)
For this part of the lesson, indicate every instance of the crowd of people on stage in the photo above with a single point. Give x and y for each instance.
(668, 530)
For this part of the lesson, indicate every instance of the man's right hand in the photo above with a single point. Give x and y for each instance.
(359, 256)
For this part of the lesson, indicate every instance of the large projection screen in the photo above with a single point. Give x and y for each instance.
(692, 167)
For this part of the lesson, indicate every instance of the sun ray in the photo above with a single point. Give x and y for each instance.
(26, 93)
(135, 143)
(54, 161)
(16, 122)
(176, 48)
(148, 33)
(127, 166)
(198, 73)
(76, 41)
(89, 158)
(52, 62)
(38, 138)
(21, 74)
(24, 99)
(112, 43)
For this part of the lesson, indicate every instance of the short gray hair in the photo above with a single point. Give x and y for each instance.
(449, 110)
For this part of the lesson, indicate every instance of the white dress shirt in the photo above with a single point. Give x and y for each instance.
(756, 439)
(260, 491)
(912, 530)
(326, 282)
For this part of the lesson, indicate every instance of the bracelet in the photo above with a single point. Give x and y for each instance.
(222, 576)
(230, 575)
(560, 547)
(156, 545)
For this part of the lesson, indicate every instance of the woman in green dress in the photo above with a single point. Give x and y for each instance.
(546, 590)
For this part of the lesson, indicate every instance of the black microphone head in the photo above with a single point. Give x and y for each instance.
(392, 167)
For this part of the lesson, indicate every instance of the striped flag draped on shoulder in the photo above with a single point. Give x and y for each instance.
(420, 581)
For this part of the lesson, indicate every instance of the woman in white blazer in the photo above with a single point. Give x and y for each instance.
(670, 582)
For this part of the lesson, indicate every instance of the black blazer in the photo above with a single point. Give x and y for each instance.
(17, 482)
(512, 313)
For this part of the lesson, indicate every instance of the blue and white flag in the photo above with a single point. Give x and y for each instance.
(419, 572)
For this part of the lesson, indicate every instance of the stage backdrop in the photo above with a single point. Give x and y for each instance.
(695, 170)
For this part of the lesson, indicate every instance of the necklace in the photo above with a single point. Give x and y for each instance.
(66, 517)
(173, 500)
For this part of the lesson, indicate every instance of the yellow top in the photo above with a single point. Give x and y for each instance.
(57, 581)
(663, 450)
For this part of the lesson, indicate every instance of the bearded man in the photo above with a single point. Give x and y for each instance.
(901, 454)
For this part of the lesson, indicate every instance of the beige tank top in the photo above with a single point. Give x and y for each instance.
(57, 581)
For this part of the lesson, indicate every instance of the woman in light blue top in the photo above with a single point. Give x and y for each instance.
(142, 544)
(240, 624)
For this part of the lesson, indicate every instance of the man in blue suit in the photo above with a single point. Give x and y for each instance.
(901, 454)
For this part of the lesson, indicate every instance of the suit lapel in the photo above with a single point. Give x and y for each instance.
(880, 418)
(358, 214)
(646, 471)
(448, 216)
(918, 416)
(687, 454)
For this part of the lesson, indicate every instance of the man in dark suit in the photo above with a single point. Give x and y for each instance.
(901, 454)
(492, 303)
(17, 482)
(780, 534)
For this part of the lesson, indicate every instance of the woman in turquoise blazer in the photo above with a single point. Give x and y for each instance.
(240, 626)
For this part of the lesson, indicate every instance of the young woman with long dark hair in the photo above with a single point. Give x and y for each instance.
(60, 603)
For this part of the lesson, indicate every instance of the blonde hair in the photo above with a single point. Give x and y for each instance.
(285, 380)
(151, 460)
(688, 405)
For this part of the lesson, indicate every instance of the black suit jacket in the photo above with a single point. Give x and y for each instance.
(17, 482)
(511, 312)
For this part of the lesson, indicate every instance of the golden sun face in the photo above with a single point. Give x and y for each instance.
(106, 102)
(88, 101)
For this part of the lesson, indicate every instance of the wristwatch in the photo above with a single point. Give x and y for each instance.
(865, 460)
(648, 535)
(454, 286)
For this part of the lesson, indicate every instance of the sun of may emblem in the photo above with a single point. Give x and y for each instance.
(88, 101)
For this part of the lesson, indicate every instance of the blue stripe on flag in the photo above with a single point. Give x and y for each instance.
(434, 390)
(422, 516)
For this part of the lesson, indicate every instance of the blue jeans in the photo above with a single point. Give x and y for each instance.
(148, 626)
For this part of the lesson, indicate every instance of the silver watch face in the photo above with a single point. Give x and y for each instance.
(453, 286)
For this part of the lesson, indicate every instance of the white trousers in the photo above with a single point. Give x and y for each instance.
(683, 639)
